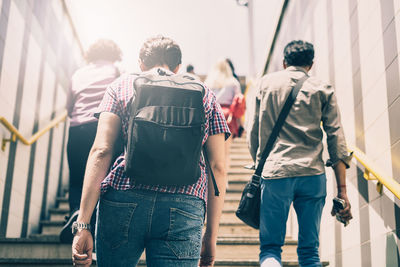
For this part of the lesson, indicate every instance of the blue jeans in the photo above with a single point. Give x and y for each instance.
(308, 196)
(168, 226)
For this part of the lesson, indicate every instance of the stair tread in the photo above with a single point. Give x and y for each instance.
(233, 262)
(51, 239)
(58, 210)
(52, 223)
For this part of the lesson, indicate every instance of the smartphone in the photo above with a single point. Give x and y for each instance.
(340, 204)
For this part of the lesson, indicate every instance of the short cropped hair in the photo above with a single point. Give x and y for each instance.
(189, 68)
(103, 49)
(160, 50)
(299, 53)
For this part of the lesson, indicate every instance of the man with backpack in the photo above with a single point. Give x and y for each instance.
(153, 197)
(294, 169)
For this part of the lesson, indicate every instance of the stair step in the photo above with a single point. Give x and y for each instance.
(228, 215)
(7, 262)
(236, 185)
(57, 214)
(239, 177)
(48, 247)
(240, 164)
(243, 148)
(240, 156)
(239, 170)
(10, 262)
(52, 227)
(41, 248)
(231, 204)
(238, 229)
(62, 202)
(239, 150)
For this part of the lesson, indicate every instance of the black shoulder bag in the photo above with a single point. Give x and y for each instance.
(249, 206)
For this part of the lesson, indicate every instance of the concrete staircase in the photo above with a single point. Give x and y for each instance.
(238, 244)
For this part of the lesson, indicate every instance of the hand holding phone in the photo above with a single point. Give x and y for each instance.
(338, 205)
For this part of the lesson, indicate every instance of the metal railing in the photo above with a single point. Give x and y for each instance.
(372, 172)
(15, 134)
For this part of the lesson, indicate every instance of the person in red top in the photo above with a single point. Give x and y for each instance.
(226, 87)
(166, 221)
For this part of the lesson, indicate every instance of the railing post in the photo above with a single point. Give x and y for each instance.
(4, 142)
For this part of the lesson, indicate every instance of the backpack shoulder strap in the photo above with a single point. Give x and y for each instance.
(216, 191)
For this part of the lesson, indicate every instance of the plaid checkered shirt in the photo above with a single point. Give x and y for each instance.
(116, 99)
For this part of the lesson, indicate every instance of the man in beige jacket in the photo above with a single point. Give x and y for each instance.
(294, 171)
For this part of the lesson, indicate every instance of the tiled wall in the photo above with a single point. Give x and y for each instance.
(38, 53)
(357, 45)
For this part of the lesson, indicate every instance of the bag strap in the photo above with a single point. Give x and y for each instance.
(278, 125)
(212, 174)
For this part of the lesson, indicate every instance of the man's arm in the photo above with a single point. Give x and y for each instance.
(340, 174)
(98, 164)
(337, 149)
(215, 148)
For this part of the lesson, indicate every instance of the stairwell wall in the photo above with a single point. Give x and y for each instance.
(38, 53)
(356, 50)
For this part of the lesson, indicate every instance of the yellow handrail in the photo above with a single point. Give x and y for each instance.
(16, 134)
(389, 182)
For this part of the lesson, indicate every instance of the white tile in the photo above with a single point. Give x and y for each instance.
(378, 251)
(383, 164)
(373, 70)
(58, 9)
(321, 42)
(17, 203)
(36, 194)
(21, 166)
(351, 233)
(352, 257)
(46, 103)
(369, 21)
(11, 59)
(375, 104)
(377, 139)
(397, 22)
(396, 5)
(292, 227)
(341, 33)
(388, 212)
(377, 225)
(61, 98)
(14, 226)
(2, 181)
(34, 219)
(327, 238)
(31, 82)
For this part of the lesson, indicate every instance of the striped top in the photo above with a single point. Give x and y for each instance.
(87, 90)
(116, 99)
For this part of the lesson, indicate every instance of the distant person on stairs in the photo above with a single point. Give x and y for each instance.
(294, 171)
(164, 220)
(226, 87)
(88, 86)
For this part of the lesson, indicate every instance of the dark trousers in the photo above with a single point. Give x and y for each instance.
(80, 142)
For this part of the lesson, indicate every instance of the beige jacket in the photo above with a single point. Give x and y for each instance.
(298, 149)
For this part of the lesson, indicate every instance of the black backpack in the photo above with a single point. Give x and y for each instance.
(166, 129)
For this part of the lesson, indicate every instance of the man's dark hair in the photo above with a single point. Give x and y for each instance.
(160, 50)
(189, 68)
(103, 49)
(299, 53)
